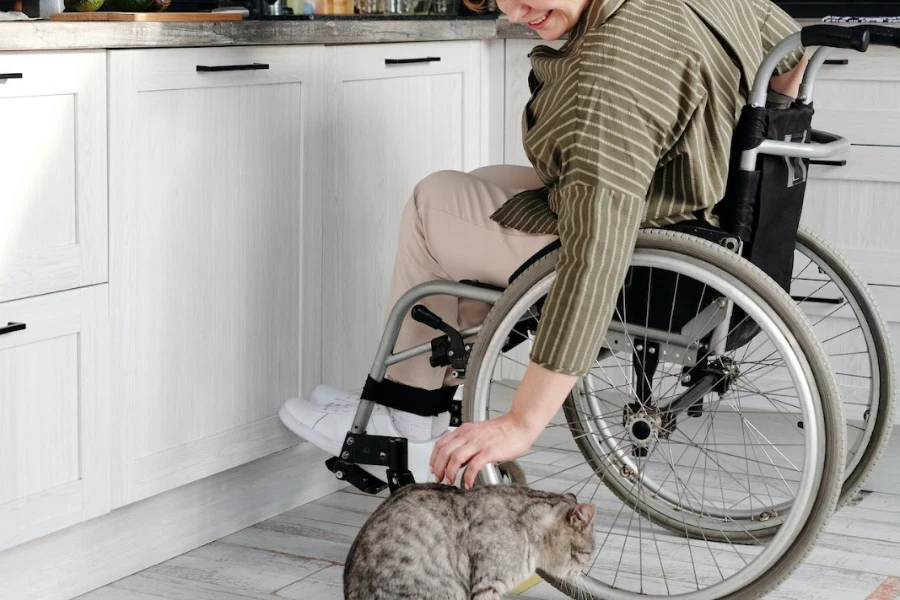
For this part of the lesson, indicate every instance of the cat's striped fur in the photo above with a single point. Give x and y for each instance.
(437, 542)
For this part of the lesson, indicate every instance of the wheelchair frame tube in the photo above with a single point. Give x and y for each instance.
(383, 356)
(423, 348)
(760, 91)
(808, 84)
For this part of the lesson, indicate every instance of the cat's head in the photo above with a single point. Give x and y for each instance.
(568, 537)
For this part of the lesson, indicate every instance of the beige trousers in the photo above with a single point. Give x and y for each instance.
(446, 234)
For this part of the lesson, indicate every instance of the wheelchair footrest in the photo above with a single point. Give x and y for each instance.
(355, 476)
(365, 449)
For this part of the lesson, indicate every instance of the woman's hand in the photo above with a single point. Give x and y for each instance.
(474, 445)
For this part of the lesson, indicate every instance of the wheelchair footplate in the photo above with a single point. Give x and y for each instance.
(380, 450)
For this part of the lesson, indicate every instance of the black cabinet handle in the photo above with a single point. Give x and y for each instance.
(818, 300)
(250, 67)
(12, 327)
(4, 76)
(403, 61)
(829, 163)
(836, 61)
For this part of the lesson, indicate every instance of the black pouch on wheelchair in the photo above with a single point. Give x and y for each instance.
(763, 207)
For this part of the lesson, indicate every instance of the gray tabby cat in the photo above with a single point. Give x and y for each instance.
(437, 542)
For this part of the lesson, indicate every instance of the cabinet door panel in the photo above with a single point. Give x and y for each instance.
(207, 182)
(393, 125)
(54, 452)
(53, 205)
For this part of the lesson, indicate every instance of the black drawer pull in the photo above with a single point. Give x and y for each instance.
(250, 67)
(829, 163)
(12, 327)
(818, 300)
(403, 61)
(4, 76)
(836, 61)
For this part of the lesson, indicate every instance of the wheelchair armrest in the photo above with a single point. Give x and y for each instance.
(824, 146)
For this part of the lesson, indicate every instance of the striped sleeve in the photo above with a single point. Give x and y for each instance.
(776, 26)
(634, 99)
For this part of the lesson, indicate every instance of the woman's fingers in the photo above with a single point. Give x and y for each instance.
(459, 458)
(476, 463)
(441, 455)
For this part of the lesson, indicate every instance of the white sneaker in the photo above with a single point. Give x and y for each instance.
(326, 421)
(326, 394)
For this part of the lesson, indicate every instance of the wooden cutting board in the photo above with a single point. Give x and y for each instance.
(148, 16)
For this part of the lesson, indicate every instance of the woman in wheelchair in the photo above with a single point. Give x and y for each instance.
(691, 331)
(629, 125)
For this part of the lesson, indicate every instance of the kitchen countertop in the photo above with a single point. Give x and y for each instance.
(67, 35)
(59, 35)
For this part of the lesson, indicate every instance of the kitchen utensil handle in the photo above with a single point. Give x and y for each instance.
(12, 327)
(217, 68)
(403, 61)
(10, 76)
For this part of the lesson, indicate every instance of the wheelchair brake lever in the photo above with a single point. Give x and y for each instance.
(457, 355)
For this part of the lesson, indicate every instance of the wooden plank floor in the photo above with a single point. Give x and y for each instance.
(299, 554)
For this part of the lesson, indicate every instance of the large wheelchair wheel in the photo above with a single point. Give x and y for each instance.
(855, 337)
(705, 462)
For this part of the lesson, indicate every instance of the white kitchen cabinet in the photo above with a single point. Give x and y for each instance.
(54, 412)
(398, 112)
(855, 206)
(52, 171)
(212, 171)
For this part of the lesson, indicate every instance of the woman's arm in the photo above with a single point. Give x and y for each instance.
(789, 83)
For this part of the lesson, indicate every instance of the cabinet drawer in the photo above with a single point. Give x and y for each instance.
(375, 61)
(856, 208)
(192, 68)
(53, 413)
(53, 210)
(860, 100)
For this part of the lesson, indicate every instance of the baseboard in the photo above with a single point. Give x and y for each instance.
(84, 557)
(177, 466)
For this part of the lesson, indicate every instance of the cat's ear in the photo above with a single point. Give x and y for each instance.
(581, 516)
(571, 497)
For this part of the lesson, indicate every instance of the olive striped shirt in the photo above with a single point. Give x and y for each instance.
(630, 125)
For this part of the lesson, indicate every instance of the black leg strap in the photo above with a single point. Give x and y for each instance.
(425, 403)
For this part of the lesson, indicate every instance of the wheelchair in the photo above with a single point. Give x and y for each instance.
(742, 393)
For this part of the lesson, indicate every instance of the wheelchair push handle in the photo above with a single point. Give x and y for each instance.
(828, 38)
(880, 35)
(833, 36)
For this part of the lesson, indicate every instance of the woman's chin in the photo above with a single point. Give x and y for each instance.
(548, 35)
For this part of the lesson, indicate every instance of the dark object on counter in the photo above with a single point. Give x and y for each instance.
(373, 17)
(816, 9)
(158, 5)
